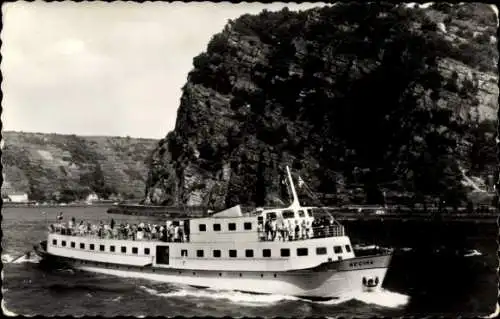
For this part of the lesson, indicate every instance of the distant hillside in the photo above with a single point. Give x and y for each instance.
(69, 167)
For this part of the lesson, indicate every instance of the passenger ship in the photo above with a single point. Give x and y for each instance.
(226, 251)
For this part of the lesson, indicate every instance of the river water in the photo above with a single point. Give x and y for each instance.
(417, 283)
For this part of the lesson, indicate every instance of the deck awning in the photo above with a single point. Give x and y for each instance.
(234, 211)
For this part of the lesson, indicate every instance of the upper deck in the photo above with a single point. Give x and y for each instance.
(245, 228)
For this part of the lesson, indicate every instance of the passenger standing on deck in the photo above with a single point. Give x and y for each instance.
(153, 232)
(303, 229)
(176, 233)
(267, 229)
(286, 234)
(140, 233)
(297, 230)
(279, 227)
(291, 230)
(60, 217)
(112, 223)
(181, 235)
(81, 228)
(70, 226)
(171, 232)
(181, 232)
(273, 229)
(186, 230)
(308, 228)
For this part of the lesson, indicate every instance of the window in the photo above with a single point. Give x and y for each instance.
(135, 250)
(249, 253)
(233, 253)
(92, 246)
(54, 242)
(184, 253)
(301, 213)
(231, 226)
(202, 227)
(288, 214)
(308, 213)
(320, 250)
(271, 215)
(285, 252)
(124, 249)
(63, 243)
(112, 249)
(337, 249)
(348, 248)
(266, 253)
(217, 253)
(73, 244)
(146, 251)
(101, 247)
(247, 226)
(199, 253)
(216, 227)
(302, 252)
(82, 246)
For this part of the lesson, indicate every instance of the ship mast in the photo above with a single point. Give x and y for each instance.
(295, 201)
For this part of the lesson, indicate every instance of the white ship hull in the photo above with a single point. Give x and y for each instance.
(337, 284)
(330, 280)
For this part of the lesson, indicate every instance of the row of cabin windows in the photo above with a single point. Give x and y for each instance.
(112, 248)
(230, 227)
(284, 252)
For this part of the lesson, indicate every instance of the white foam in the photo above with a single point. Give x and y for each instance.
(34, 259)
(6, 258)
(381, 297)
(233, 296)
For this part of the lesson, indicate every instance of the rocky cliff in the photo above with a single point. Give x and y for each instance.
(360, 99)
(69, 167)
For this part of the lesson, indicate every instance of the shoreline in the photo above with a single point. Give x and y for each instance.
(193, 212)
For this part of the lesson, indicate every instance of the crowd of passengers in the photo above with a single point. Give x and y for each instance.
(178, 231)
(294, 229)
(171, 231)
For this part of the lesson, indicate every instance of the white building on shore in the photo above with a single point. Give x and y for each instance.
(91, 198)
(16, 197)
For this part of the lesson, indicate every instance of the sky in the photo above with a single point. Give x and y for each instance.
(98, 68)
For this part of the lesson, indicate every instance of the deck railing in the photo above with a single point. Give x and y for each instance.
(118, 234)
(314, 232)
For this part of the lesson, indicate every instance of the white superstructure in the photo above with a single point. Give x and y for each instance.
(232, 250)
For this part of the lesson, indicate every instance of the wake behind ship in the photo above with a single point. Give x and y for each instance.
(284, 251)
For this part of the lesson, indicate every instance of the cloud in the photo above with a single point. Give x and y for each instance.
(98, 68)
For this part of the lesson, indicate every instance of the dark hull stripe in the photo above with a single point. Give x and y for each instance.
(74, 263)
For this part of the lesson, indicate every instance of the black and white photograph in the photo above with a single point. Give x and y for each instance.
(250, 159)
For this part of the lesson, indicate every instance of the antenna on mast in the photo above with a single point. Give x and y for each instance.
(295, 201)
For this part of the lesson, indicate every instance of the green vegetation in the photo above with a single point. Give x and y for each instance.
(68, 168)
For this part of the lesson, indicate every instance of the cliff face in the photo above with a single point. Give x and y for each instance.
(69, 167)
(360, 99)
